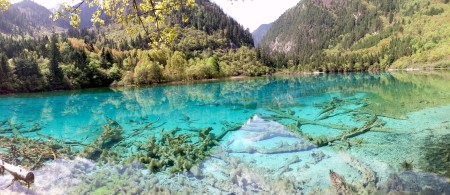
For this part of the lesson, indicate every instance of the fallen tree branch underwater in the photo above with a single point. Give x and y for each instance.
(17, 172)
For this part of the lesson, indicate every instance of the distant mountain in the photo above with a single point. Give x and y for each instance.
(259, 33)
(313, 25)
(28, 18)
(86, 15)
(210, 17)
(342, 35)
(207, 17)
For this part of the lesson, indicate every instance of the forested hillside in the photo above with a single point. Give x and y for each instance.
(28, 18)
(209, 45)
(343, 35)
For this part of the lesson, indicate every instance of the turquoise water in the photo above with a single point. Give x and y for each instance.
(275, 147)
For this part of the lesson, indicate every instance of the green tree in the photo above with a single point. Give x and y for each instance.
(106, 58)
(155, 73)
(77, 72)
(25, 67)
(149, 14)
(79, 57)
(129, 13)
(97, 77)
(201, 69)
(26, 70)
(391, 17)
(56, 76)
(3, 67)
(212, 61)
(147, 73)
(175, 68)
(5, 75)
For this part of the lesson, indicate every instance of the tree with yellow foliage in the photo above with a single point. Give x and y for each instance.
(4, 4)
(150, 15)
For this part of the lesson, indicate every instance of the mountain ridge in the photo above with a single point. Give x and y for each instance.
(340, 35)
(28, 18)
(260, 32)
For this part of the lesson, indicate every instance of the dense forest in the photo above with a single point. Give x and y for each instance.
(28, 19)
(209, 45)
(323, 35)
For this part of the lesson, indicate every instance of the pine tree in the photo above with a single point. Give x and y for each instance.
(3, 67)
(56, 75)
(107, 58)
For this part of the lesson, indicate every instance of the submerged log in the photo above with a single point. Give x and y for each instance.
(280, 149)
(229, 127)
(17, 172)
(17, 130)
(303, 121)
(353, 132)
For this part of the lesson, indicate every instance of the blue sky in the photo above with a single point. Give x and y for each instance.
(250, 13)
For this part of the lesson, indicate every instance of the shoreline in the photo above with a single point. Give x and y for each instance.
(282, 73)
(240, 77)
(416, 69)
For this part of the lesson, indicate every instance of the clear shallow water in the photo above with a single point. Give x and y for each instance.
(263, 156)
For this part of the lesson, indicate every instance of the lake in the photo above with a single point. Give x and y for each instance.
(317, 134)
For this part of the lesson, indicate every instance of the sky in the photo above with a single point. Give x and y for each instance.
(250, 13)
(46, 3)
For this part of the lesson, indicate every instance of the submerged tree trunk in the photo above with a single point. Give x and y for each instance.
(17, 172)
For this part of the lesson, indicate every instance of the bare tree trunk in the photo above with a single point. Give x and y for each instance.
(17, 172)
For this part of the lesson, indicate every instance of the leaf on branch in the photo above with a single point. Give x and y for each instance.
(96, 18)
(151, 15)
(74, 20)
(4, 5)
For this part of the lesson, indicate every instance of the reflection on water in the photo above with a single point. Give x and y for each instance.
(384, 132)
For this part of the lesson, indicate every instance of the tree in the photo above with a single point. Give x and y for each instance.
(391, 17)
(3, 67)
(5, 75)
(128, 13)
(42, 46)
(4, 4)
(132, 12)
(56, 75)
(96, 77)
(147, 72)
(106, 58)
(78, 74)
(26, 69)
(79, 57)
(175, 68)
(212, 61)
(26, 66)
